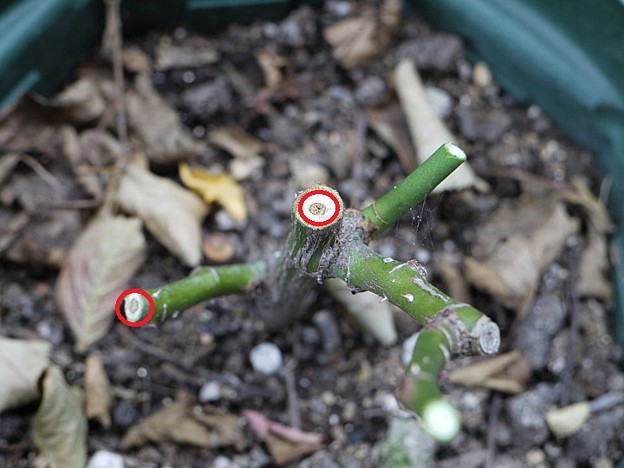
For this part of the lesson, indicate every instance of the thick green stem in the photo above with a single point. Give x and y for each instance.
(317, 217)
(204, 284)
(387, 210)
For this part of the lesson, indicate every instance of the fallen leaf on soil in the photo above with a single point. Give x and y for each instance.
(46, 238)
(506, 373)
(7, 163)
(427, 130)
(157, 124)
(98, 392)
(21, 365)
(216, 187)
(594, 268)
(596, 210)
(358, 39)
(566, 421)
(236, 141)
(389, 124)
(171, 213)
(59, 427)
(73, 151)
(286, 444)
(271, 65)
(514, 247)
(372, 314)
(82, 101)
(198, 53)
(183, 423)
(100, 263)
(242, 146)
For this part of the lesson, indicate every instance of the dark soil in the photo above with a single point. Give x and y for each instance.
(313, 125)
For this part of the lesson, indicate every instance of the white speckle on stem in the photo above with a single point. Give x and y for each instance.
(388, 260)
(156, 295)
(408, 297)
(422, 284)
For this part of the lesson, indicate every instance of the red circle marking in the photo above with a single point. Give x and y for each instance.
(123, 319)
(319, 223)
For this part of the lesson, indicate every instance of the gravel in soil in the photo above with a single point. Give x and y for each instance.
(312, 127)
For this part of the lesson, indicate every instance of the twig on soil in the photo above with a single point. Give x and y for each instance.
(294, 414)
(494, 414)
(573, 298)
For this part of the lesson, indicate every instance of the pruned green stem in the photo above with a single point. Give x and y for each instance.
(387, 210)
(205, 283)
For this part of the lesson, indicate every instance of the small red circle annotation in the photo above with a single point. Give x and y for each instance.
(328, 221)
(123, 319)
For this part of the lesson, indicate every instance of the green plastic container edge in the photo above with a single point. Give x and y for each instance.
(541, 52)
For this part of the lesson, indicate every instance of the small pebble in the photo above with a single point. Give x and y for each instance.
(481, 75)
(328, 329)
(105, 459)
(210, 391)
(266, 358)
(218, 247)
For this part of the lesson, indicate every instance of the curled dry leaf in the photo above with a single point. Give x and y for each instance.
(216, 187)
(97, 269)
(98, 392)
(286, 444)
(72, 150)
(198, 53)
(21, 365)
(514, 247)
(271, 65)
(171, 213)
(183, 423)
(358, 39)
(157, 125)
(367, 308)
(242, 146)
(507, 373)
(428, 132)
(59, 427)
(81, 101)
(389, 123)
(594, 267)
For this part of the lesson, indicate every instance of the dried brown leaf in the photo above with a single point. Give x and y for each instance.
(594, 267)
(98, 392)
(286, 444)
(100, 263)
(389, 124)
(236, 141)
(196, 53)
(216, 187)
(183, 423)
(73, 152)
(59, 428)
(271, 65)
(514, 247)
(372, 314)
(596, 210)
(427, 130)
(170, 212)
(157, 125)
(81, 101)
(507, 373)
(21, 365)
(356, 40)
